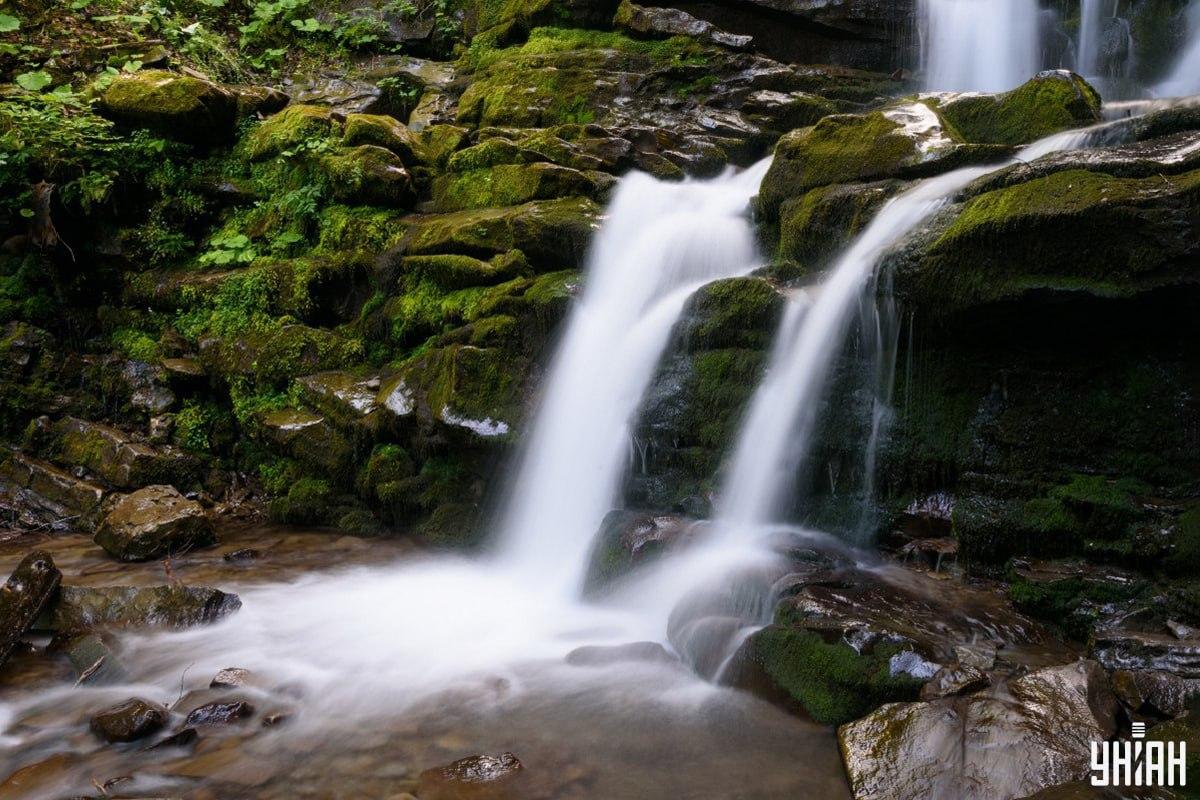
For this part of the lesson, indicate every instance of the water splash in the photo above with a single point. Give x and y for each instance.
(979, 45)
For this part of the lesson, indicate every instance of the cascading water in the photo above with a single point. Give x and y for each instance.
(662, 241)
(1185, 78)
(979, 45)
(1091, 29)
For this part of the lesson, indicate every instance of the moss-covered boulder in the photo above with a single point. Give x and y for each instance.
(512, 184)
(288, 130)
(153, 522)
(278, 353)
(630, 539)
(1052, 101)
(734, 312)
(510, 19)
(816, 226)
(385, 132)
(842, 148)
(1069, 231)
(116, 457)
(369, 175)
(554, 234)
(310, 439)
(473, 390)
(178, 106)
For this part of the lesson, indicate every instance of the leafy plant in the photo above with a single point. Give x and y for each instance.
(229, 248)
(9, 23)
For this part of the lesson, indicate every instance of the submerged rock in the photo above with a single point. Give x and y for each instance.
(1032, 733)
(31, 588)
(598, 655)
(133, 719)
(153, 522)
(483, 777)
(219, 713)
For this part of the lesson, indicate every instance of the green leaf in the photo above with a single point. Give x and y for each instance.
(310, 25)
(34, 81)
(8, 23)
(131, 66)
(27, 213)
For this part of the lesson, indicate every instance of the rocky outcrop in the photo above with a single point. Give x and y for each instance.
(1031, 733)
(153, 522)
(31, 588)
(666, 22)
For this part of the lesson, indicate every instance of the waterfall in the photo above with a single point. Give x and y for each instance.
(777, 431)
(979, 45)
(1185, 78)
(1091, 29)
(660, 242)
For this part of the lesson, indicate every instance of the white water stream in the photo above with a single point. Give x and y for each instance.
(979, 45)
(1184, 79)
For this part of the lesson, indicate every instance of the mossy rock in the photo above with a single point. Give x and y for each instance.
(472, 390)
(831, 681)
(734, 312)
(311, 440)
(508, 185)
(491, 152)
(1185, 553)
(818, 225)
(178, 106)
(288, 130)
(382, 131)
(277, 355)
(369, 175)
(1071, 231)
(1052, 101)
(342, 228)
(554, 234)
(512, 18)
(453, 524)
(838, 149)
(388, 463)
(441, 142)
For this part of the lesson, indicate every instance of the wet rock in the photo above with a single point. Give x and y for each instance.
(79, 608)
(161, 428)
(117, 457)
(183, 370)
(125, 722)
(31, 588)
(663, 23)
(1033, 733)
(95, 661)
(276, 719)
(220, 713)
(598, 655)
(954, 680)
(1154, 692)
(184, 738)
(48, 496)
(483, 777)
(153, 522)
(179, 106)
(309, 438)
(1131, 649)
(287, 129)
(39, 779)
(1052, 101)
(146, 388)
(513, 184)
(630, 539)
(255, 101)
(230, 677)
(979, 656)
(242, 556)
(383, 131)
(341, 394)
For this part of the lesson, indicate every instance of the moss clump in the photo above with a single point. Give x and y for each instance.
(179, 106)
(307, 503)
(1071, 603)
(384, 132)
(508, 185)
(388, 463)
(490, 153)
(1049, 103)
(292, 128)
(735, 312)
(1185, 554)
(818, 225)
(1104, 507)
(369, 175)
(831, 681)
(838, 149)
(343, 228)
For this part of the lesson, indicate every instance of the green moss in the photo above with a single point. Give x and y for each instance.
(307, 502)
(179, 106)
(734, 312)
(507, 185)
(838, 149)
(194, 426)
(1185, 554)
(819, 224)
(1071, 603)
(1068, 231)
(832, 682)
(344, 228)
(294, 127)
(369, 175)
(135, 344)
(1047, 104)
(388, 463)
(1104, 507)
(383, 132)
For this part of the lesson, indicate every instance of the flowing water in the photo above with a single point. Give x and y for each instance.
(1184, 79)
(1091, 28)
(661, 242)
(980, 45)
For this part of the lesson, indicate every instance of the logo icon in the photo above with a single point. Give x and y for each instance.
(1137, 762)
